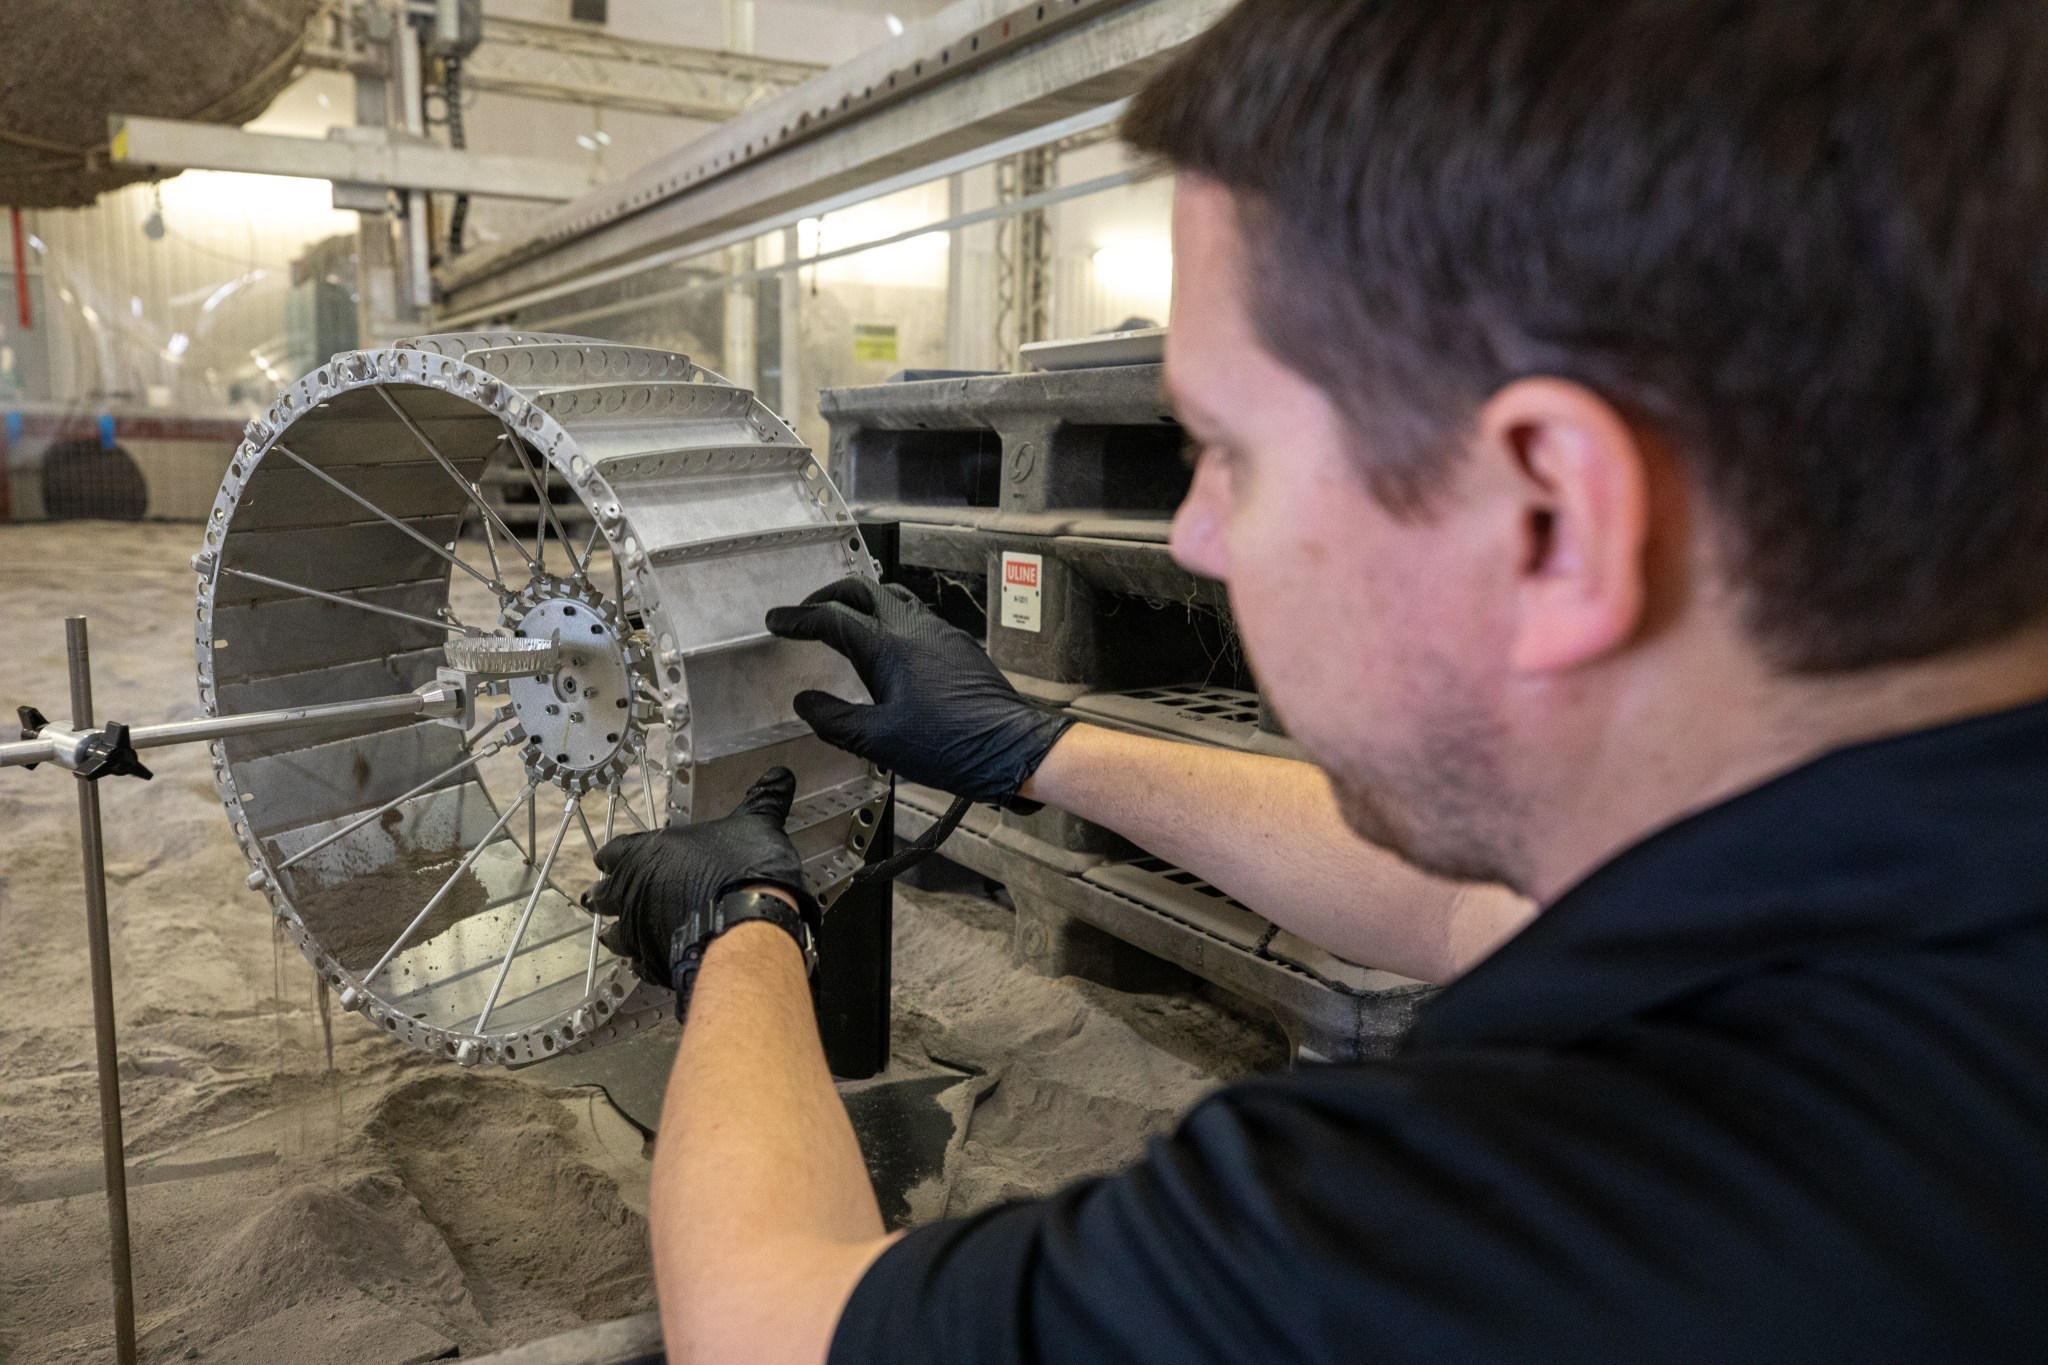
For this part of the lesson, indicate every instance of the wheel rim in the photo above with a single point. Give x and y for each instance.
(431, 872)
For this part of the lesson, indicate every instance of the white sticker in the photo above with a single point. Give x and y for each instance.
(1021, 591)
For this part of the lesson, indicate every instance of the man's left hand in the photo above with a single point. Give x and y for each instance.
(653, 881)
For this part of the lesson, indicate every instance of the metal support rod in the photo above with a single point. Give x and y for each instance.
(66, 747)
(90, 838)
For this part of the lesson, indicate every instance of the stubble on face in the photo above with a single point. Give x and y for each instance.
(1437, 790)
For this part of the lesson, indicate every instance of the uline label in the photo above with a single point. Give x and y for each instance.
(1021, 594)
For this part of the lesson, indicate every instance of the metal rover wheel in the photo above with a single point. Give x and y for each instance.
(430, 870)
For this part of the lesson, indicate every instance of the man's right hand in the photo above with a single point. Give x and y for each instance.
(943, 715)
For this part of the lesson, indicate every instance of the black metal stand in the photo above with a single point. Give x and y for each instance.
(112, 1148)
(854, 968)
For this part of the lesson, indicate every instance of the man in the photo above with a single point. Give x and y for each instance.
(1624, 434)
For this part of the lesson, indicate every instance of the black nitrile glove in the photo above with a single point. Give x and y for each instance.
(652, 881)
(943, 715)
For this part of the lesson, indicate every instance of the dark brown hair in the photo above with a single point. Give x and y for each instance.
(1801, 239)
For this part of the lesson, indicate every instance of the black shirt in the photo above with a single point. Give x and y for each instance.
(1772, 1085)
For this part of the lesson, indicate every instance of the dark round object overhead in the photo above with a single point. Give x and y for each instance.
(70, 65)
(84, 481)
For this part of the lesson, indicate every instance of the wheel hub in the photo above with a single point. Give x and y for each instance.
(585, 721)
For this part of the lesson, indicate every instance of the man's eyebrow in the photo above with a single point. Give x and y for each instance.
(1187, 414)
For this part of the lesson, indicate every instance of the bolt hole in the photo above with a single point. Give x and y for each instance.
(561, 758)
(866, 817)
(620, 703)
(611, 739)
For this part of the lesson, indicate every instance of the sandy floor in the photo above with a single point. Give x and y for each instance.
(302, 1189)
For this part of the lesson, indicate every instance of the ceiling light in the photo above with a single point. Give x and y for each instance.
(895, 25)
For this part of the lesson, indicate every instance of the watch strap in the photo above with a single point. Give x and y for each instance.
(702, 927)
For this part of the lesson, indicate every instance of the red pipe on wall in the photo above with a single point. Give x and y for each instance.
(20, 271)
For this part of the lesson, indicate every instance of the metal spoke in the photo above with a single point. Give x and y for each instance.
(588, 837)
(464, 484)
(468, 861)
(589, 549)
(590, 972)
(526, 915)
(547, 504)
(469, 740)
(436, 780)
(450, 624)
(596, 921)
(374, 510)
(490, 548)
(647, 781)
(625, 803)
(611, 811)
(540, 516)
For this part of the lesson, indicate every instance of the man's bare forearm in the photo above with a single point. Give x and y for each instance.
(1267, 831)
(765, 1217)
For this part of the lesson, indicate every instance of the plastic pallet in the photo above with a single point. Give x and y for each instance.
(1329, 1009)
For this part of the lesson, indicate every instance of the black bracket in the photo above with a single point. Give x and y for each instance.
(109, 754)
(32, 723)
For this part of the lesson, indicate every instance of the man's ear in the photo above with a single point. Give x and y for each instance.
(1582, 486)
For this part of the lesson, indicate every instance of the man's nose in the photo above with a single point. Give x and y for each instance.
(1198, 543)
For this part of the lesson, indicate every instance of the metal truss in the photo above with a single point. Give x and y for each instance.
(974, 76)
(592, 67)
(1023, 254)
(568, 63)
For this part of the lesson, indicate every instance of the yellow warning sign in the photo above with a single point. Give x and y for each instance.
(874, 341)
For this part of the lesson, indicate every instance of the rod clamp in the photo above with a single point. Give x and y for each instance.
(32, 723)
(108, 753)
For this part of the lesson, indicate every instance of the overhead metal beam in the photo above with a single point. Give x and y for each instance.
(175, 144)
(592, 67)
(976, 73)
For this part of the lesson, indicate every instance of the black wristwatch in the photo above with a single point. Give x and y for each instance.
(734, 908)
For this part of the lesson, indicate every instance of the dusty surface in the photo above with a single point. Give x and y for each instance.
(361, 917)
(303, 1190)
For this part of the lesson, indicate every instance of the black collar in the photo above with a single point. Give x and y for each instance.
(1937, 835)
